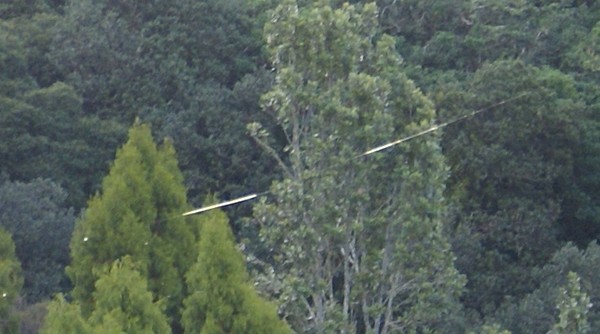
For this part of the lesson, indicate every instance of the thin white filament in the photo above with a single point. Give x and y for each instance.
(436, 127)
(371, 151)
(220, 205)
(399, 141)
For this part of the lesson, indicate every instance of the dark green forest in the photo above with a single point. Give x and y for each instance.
(117, 116)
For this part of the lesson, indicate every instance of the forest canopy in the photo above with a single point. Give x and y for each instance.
(117, 116)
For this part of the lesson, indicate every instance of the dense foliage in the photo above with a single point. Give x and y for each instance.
(40, 226)
(11, 282)
(134, 258)
(487, 225)
(136, 215)
(356, 243)
(222, 298)
(123, 304)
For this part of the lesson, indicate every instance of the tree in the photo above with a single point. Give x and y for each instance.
(34, 214)
(27, 8)
(46, 132)
(216, 152)
(138, 214)
(430, 33)
(126, 59)
(356, 242)
(122, 298)
(580, 214)
(64, 317)
(222, 298)
(573, 305)
(580, 209)
(74, 148)
(36, 33)
(46, 135)
(418, 21)
(537, 312)
(123, 304)
(11, 282)
(14, 79)
(511, 170)
(562, 40)
(187, 67)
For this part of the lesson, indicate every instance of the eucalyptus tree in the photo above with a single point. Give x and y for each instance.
(356, 242)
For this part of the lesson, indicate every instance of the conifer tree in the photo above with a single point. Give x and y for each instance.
(123, 305)
(222, 298)
(138, 214)
(11, 282)
(123, 302)
(64, 317)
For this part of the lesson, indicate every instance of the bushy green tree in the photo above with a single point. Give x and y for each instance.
(11, 282)
(537, 312)
(194, 69)
(36, 33)
(510, 170)
(565, 36)
(222, 298)
(46, 134)
(462, 35)
(25, 9)
(429, 33)
(127, 58)
(215, 151)
(34, 214)
(581, 215)
(137, 214)
(14, 78)
(356, 242)
(506, 28)
(418, 21)
(573, 305)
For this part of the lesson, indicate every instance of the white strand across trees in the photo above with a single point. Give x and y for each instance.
(368, 152)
